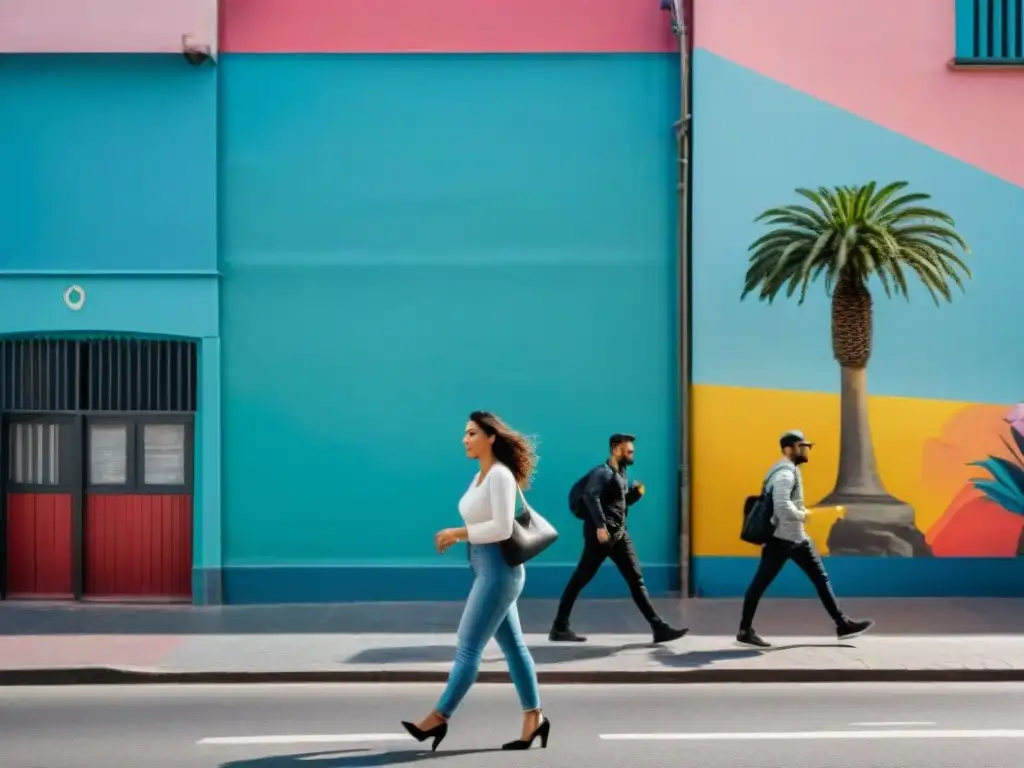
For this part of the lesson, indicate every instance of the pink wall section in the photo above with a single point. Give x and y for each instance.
(444, 26)
(106, 26)
(884, 60)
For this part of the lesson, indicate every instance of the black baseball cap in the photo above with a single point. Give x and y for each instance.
(793, 437)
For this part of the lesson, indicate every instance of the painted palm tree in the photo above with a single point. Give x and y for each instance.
(847, 237)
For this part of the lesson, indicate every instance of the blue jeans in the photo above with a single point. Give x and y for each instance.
(491, 612)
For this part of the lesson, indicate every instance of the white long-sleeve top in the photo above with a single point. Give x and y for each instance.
(488, 508)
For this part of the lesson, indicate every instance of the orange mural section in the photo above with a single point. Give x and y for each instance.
(957, 464)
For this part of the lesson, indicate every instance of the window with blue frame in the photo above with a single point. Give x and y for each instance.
(990, 32)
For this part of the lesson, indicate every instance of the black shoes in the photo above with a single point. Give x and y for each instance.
(663, 633)
(437, 733)
(851, 629)
(848, 630)
(748, 638)
(542, 732)
(564, 635)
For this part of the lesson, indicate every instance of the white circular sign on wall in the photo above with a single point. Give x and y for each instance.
(74, 297)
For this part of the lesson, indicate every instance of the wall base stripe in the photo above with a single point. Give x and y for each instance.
(372, 583)
(719, 577)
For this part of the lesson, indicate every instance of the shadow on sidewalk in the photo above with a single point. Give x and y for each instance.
(542, 654)
(696, 659)
(549, 655)
(350, 758)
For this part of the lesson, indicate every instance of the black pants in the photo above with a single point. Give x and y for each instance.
(774, 555)
(620, 549)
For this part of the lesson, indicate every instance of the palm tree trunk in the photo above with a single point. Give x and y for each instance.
(858, 486)
(858, 472)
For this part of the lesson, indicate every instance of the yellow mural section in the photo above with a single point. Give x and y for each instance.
(923, 449)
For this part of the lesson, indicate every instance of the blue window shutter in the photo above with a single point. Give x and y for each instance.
(990, 31)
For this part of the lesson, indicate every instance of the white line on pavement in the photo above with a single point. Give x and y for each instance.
(893, 723)
(325, 738)
(816, 735)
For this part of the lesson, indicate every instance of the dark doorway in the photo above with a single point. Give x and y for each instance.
(98, 487)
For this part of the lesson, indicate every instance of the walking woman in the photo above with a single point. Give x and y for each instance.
(487, 508)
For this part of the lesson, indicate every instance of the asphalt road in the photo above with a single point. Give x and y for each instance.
(335, 726)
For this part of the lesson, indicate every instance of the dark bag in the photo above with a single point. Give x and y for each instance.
(758, 527)
(531, 535)
(576, 504)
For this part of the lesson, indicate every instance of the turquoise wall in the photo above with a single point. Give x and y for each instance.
(409, 238)
(107, 163)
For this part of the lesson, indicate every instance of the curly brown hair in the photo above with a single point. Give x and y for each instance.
(511, 448)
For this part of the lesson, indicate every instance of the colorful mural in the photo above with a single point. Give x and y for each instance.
(929, 453)
(780, 103)
(847, 239)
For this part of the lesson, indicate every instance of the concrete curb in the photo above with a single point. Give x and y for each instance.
(115, 676)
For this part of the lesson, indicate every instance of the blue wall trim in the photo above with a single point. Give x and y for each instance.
(872, 577)
(167, 305)
(208, 515)
(381, 583)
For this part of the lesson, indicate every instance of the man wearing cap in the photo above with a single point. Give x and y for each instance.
(791, 542)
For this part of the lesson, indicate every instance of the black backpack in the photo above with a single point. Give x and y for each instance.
(576, 505)
(758, 527)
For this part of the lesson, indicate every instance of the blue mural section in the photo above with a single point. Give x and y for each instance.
(109, 164)
(745, 164)
(409, 238)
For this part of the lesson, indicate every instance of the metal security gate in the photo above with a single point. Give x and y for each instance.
(98, 454)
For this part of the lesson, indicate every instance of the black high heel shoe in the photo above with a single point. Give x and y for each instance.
(542, 732)
(438, 732)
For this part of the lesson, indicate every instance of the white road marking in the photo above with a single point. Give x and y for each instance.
(817, 735)
(893, 723)
(324, 738)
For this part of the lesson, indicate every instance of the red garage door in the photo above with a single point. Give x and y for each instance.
(138, 508)
(39, 518)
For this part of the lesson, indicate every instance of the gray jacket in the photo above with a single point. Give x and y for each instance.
(789, 513)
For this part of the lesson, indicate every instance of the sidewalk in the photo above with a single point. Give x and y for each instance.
(941, 640)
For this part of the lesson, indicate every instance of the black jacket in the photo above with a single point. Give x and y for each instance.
(608, 496)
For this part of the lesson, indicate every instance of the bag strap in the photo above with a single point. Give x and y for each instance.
(768, 479)
(522, 499)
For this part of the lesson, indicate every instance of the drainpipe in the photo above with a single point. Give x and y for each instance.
(682, 15)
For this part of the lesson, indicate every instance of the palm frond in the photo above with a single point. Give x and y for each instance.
(864, 231)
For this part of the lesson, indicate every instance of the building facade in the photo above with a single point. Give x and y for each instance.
(365, 220)
(249, 295)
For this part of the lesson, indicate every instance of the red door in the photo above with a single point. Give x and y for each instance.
(138, 508)
(42, 482)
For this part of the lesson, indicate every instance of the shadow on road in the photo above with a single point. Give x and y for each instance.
(351, 758)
